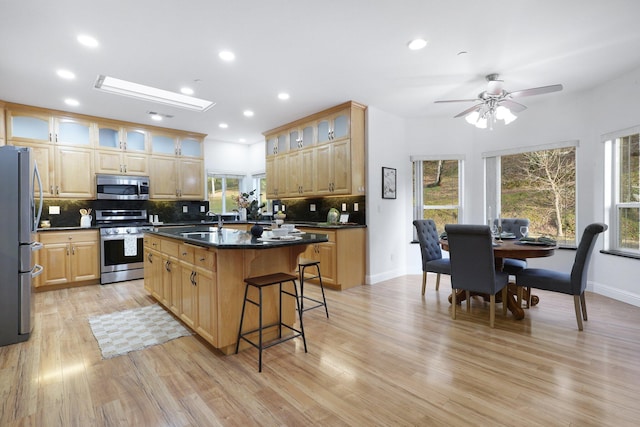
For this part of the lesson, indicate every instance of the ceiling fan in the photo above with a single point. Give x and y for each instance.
(495, 103)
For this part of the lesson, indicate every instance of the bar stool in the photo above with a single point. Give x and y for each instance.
(303, 263)
(260, 282)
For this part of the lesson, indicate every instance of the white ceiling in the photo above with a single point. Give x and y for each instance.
(322, 52)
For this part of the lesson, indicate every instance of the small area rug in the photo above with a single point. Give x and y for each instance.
(129, 330)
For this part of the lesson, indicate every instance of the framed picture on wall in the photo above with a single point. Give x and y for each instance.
(388, 183)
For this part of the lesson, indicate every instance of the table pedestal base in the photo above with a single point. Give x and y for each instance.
(512, 299)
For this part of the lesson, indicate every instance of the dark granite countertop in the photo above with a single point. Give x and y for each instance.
(203, 235)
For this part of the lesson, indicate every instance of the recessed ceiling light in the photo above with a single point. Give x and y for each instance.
(148, 93)
(187, 90)
(417, 44)
(88, 41)
(223, 125)
(227, 55)
(156, 117)
(65, 74)
(248, 113)
(283, 96)
(71, 102)
(242, 140)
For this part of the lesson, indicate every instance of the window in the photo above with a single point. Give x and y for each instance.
(623, 192)
(260, 184)
(539, 185)
(437, 190)
(220, 190)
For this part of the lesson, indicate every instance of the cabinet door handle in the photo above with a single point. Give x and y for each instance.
(73, 250)
(167, 266)
(125, 168)
(50, 137)
(51, 189)
(57, 189)
(150, 258)
(56, 137)
(67, 250)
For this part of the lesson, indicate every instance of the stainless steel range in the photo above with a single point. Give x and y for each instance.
(121, 241)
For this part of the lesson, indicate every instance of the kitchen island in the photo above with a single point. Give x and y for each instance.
(198, 273)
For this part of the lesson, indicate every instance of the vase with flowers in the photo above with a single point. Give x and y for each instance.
(249, 202)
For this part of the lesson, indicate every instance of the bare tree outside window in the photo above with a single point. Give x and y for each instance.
(541, 186)
(440, 190)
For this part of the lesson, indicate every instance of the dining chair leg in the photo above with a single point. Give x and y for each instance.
(528, 297)
(519, 294)
(467, 294)
(583, 303)
(424, 281)
(505, 301)
(492, 310)
(438, 282)
(453, 304)
(576, 303)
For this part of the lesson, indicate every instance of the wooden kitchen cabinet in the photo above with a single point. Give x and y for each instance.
(68, 257)
(301, 177)
(176, 178)
(65, 171)
(121, 150)
(337, 153)
(342, 258)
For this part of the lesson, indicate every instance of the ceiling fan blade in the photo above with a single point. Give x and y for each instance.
(456, 100)
(536, 91)
(469, 110)
(515, 107)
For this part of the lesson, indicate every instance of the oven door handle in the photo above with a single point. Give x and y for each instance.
(120, 236)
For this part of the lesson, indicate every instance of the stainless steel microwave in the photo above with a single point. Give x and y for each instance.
(118, 187)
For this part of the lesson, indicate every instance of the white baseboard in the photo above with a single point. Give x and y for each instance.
(617, 294)
(381, 277)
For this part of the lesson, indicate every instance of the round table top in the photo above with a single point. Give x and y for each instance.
(513, 248)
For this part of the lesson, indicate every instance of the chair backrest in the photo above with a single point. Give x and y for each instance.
(583, 255)
(512, 225)
(429, 240)
(471, 254)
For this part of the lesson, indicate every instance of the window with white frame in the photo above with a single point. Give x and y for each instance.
(220, 192)
(260, 184)
(622, 191)
(538, 183)
(437, 189)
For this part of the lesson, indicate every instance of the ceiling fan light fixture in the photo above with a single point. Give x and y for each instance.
(481, 123)
(503, 113)
(472, 117)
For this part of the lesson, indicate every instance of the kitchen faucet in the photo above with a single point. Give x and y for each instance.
(220, 222)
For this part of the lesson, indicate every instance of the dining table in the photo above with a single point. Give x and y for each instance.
(511, 248)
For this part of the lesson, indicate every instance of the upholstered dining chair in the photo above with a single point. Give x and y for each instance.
(572, 283)
(432, 260)
(473, 266)
(512, 225)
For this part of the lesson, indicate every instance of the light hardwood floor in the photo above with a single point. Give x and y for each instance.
(386, 357)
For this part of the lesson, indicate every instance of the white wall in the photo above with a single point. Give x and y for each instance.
(235, 159)
(386, 218)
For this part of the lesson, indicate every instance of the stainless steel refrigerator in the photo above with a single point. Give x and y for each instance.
(20, 210)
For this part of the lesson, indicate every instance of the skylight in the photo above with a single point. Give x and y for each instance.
(148, 93)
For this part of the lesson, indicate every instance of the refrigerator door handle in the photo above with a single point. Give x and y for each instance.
(36, 176)
(36, 246)
(37, 270)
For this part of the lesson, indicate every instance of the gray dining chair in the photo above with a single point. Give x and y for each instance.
(473, 266)
(432, 260)
(512, 225)
(572, 283)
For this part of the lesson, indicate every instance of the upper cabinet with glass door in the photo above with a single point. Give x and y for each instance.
(190, 146)
(277, 143)
(28, 126)
(302, 136)
(334, 127)
(72, 131)
(164, 143)
(112, 136)
(38, 126)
